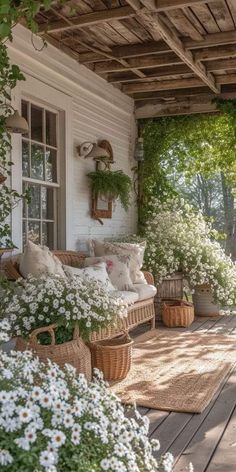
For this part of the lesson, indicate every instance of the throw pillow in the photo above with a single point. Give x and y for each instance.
(135, 250)
(97, 271)
(117, 269)
(37, 260)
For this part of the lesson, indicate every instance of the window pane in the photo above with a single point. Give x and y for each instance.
(48, 235)
(24, 231)
(37, 162)
(47, 203)
(25, 159)
(25, 113)
(34, 232)
(51, 165)
(51, 128)
(36, 123)
(34, 204)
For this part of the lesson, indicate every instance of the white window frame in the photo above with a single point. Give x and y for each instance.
(45, 183)
(36, 90)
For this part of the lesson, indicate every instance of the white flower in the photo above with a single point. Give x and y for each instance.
(5, 457)
(58, 438)
(46, 459)
(25, 415)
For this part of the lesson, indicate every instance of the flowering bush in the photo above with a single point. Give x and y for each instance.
(178, 238)
(52, 420)
(35, 302)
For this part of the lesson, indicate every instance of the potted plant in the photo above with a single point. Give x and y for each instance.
(111, 185)
(59, 423)
(53, 316)
(179, 239)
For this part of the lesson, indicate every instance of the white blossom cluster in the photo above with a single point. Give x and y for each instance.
(179, 239)
(52, 420)
(37, 302)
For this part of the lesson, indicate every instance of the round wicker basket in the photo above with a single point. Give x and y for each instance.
(177, 313)
(74, 352)
(112, 356)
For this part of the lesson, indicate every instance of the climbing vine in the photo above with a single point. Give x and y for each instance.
(11, 12)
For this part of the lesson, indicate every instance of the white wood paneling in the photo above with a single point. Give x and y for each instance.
(93, 110)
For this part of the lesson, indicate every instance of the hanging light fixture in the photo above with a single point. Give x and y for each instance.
(139, 150)
(16, 123)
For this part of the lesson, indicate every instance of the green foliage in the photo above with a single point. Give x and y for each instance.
(192, 145)
(111, 184)
(11, 11)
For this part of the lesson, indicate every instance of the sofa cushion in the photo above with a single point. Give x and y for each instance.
(145, 291)
(117, 269)
(37, 260)
(128, 297)
(134, 250)
(97, 271)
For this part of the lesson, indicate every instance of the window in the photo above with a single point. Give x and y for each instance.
(40, 174)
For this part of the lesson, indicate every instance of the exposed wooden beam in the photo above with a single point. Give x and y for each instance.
(156, 23)
(221, 64)
(155, 47)
(166, 71)
(227, 91)
(213, 39)
(88, 19)
(139, 63)
(162, 85)
(164, 5)
(226, 79)
(219, 52)
(188, 106)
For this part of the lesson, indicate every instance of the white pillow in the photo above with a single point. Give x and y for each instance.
(38, 260)
(117, 269)
(134, 250)
(97, 272)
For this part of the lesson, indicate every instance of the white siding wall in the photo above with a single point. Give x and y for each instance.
(93, 110)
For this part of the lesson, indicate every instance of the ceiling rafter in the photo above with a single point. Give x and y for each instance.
(87, 19)
(157, 25)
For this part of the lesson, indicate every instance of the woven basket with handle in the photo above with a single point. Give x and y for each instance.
(74, 352)
(177, 313)
(112, 356)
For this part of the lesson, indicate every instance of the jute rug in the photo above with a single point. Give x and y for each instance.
(176, 371)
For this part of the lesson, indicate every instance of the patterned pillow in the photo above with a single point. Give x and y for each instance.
(134, 250)
(117, 268)
(97, 271)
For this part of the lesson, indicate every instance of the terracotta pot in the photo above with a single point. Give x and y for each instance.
(204, 304)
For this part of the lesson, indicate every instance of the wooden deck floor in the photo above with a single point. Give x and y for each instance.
(208, 440)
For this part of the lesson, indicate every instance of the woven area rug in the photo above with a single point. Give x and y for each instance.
(176, 371)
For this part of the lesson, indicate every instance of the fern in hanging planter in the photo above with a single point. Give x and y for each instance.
(111, 185)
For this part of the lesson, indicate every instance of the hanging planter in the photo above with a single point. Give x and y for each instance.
(111, 185)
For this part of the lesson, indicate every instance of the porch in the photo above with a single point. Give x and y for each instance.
(206, 439)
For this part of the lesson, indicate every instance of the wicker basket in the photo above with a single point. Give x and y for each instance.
(177, 313)
(74, 352)
(112, 356)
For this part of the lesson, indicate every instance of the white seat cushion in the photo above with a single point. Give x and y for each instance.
(128, 297)
(97, 271)
(145, 291)
(38, 260)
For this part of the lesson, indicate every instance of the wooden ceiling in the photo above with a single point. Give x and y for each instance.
(171, 56)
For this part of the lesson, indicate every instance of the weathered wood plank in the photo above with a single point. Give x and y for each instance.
(210, 431)
(183, 25)
(88, 19)
(222, 15)
(224, 458)
(144, 62)
(215, 52)
(161, 85)
(184, 438)
(206, 18)
(156, 23)
(169, 430)
(165, 5)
